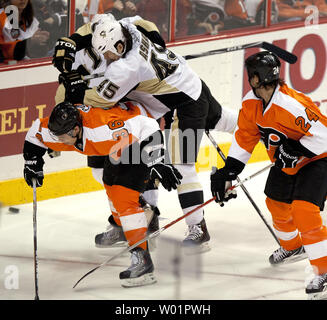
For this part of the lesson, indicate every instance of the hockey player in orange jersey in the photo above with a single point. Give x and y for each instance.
(134, 148)
(294, 133)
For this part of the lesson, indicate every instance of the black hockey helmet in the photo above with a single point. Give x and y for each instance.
(64, 117)
(265, 65)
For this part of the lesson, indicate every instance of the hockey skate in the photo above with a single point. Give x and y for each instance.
(112, 238)
(140, 272)
(317, 288)
(197, 240)
(282, 256)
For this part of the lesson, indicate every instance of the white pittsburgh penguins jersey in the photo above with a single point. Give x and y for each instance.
(158, 78)
(93, 61)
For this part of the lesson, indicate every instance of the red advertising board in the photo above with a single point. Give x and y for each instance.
(19, 107)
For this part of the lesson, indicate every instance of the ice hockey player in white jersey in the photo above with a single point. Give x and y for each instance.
(141, 70)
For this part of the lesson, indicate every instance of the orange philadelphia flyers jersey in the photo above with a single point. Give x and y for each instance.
(289, 114)
(105, 132)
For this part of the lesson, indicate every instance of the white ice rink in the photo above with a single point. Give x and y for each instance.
(236, 268)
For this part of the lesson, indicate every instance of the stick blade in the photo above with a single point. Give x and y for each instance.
(281, 53)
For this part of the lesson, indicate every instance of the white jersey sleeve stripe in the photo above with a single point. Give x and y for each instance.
(31, 134)
(237, 152)
(317, 142)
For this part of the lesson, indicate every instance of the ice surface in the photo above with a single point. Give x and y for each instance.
(236, 268)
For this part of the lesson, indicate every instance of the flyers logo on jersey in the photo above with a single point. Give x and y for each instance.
(115, 124)
(271, 137)
(83, 107)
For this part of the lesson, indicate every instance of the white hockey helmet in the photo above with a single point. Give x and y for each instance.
(107, 36)
(100, 17)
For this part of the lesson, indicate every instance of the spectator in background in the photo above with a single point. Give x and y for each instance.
(256, 10)
(207, 17)
(292, 10)
(119, 8)
(53, 20)
(41, 23)
(14, 32)
(237, 15)
(158, 12)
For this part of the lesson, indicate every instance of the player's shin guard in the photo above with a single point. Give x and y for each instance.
(314, 234)
(283, 223)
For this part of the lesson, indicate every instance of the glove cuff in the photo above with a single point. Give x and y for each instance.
(234, 166)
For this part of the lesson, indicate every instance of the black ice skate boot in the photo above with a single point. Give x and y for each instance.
(114, 236)
(197, 240)
(317, 288)
(140, 272)
(281, 256)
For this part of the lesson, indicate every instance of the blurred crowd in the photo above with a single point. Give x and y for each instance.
(40, 22)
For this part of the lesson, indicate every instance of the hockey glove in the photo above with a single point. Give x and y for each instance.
(289, 152)
(64, 54)
(75, 86)
(221, 181)
(33, 169)
(53, 153)
(168, 175)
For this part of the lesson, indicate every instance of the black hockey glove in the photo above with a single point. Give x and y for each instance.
(75, 86)
(221, 180)
(64, 54)
(289, 152)
(168, 175)
(33, 169)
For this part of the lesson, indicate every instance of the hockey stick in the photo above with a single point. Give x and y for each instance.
(36, 284)
(148, 237)
(283, 54)
(250, 177)
(93, 76)
(243, 188)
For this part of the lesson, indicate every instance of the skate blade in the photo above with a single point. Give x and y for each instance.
(318, 295)
(118, 244)
(197, 249)
(144, 280)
